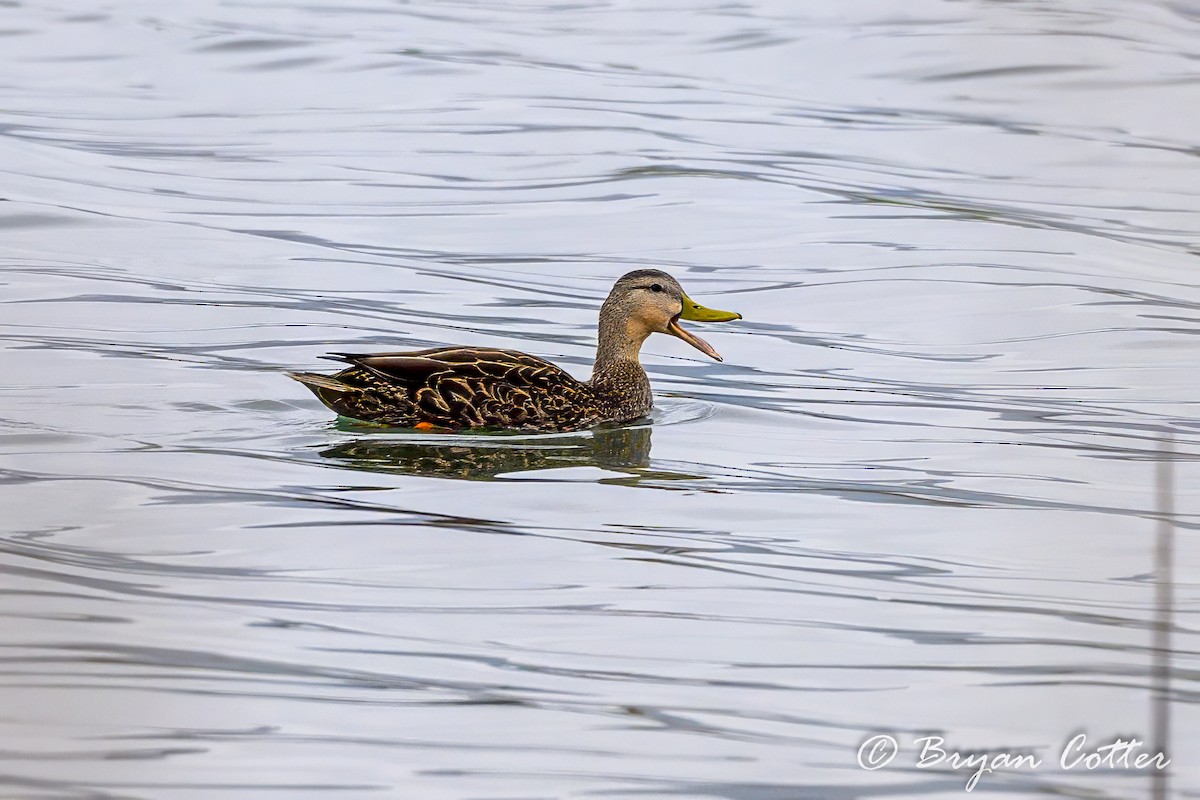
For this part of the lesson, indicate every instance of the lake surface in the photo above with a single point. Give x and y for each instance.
(918, 498)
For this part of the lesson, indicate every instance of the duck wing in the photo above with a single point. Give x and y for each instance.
(456, 387)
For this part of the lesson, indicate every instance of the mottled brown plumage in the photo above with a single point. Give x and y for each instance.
(477, 387)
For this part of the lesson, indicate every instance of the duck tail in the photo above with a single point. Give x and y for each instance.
(328, 389)
(314, 381)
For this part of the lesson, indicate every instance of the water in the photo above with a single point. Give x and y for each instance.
(918, 497)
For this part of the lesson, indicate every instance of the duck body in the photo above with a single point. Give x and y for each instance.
(457, 388)
(477, 387)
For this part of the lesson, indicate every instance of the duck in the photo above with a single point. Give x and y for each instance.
(483, 388)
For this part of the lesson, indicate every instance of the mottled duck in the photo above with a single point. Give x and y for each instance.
(455, 388)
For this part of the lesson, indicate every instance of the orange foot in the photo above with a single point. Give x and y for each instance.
(425, 426)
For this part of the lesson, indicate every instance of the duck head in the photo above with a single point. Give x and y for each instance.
(651, 301)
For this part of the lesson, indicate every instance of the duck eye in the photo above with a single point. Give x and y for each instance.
(656, 287)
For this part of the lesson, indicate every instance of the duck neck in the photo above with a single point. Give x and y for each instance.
(617, 373)
(619, 340)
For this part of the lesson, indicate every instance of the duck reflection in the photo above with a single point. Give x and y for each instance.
(478, 457)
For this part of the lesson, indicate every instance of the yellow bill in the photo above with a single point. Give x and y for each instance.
(697, 313)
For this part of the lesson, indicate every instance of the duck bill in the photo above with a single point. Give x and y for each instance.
(674, 328)
(698, 313)
(695, 312)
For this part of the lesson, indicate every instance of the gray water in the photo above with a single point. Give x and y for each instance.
(919, 496)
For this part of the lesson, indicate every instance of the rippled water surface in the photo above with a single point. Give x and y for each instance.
(918, 497)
